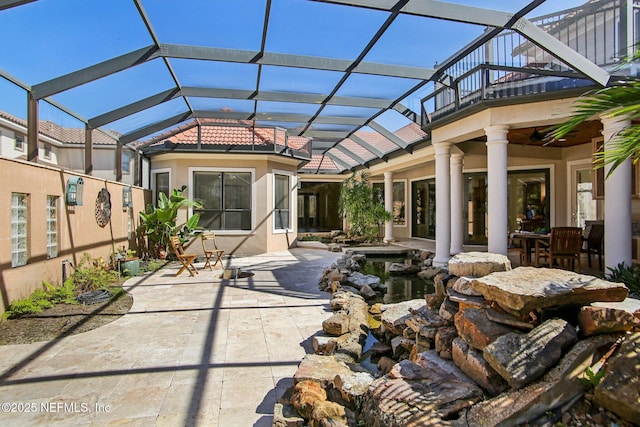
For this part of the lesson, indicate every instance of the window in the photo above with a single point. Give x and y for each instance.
(19, 215)
(226, 199)
(47, 151)
(282, 202)
(126, 162)
(528, 203)
(19, 144)
(52, 226)
(160, 185)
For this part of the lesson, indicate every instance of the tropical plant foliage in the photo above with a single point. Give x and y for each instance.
(627, 274)
(620, 100)
(357, 202)
(160, 222)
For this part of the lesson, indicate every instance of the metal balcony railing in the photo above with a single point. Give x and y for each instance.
(510, 65)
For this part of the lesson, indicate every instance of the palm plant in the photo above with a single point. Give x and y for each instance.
(160, 222)
(621, 100)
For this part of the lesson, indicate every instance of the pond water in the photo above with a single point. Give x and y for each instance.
(399, 288)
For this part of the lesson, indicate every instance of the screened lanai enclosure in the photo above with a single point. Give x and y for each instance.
(362, 80)
(260, 109)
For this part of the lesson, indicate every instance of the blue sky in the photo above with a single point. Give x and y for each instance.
(49, 38)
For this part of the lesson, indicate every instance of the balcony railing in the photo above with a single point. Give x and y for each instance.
(511, 66)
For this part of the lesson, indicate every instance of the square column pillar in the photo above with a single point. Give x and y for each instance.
(457, 203)
(388, 205)
(617, 203)
(443, 203)
(497, 208)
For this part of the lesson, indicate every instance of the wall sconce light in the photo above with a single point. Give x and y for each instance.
(75, 186)
(127, 197)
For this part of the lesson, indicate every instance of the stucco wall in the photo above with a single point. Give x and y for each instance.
(262, 238)
(78, 231)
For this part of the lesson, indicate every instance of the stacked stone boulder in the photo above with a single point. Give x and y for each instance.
(491, 346)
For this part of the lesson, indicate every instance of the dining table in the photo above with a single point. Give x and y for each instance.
(528, 241)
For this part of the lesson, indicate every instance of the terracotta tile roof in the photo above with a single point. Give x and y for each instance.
(358, 150)
(377, 140)
(237, 132)
(64, 135)
(411, 132)
(320, 164)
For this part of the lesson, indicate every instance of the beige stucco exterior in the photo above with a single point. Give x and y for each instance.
(78, 231)
(262, 237)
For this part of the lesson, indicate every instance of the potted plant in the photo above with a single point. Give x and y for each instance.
(126, 261)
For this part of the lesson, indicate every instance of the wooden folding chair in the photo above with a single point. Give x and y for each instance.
(564, 245)
(210, 248)
(185, 259)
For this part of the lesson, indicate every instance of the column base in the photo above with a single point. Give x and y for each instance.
(440, 262)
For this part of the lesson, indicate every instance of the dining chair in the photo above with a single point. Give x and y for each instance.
(185, 259)
(592, 241)
(210, 249)
(518, 246)
(563, 246)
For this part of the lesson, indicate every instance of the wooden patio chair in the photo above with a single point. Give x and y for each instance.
(518, 246)
(185, 259)
(564, 245)
(593, 236)
(210, 249)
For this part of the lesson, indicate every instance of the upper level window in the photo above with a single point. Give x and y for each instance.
(126, 161)
(19, 216)
(19, 143)
(47, 151)
(226, 199)
(282, 202)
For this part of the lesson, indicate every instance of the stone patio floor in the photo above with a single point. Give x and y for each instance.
(193, 351)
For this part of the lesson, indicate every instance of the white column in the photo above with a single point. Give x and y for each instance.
(388, 205)
(497, 208)
(457, 203)
(443, 203)
(617, 204)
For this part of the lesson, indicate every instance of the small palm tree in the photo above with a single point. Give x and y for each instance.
(622, 100)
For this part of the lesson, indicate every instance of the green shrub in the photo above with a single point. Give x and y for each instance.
(93, 274)
(65, 294)
(629, 275)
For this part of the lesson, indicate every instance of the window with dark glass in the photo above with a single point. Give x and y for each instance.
(282, 204)
(19, 144)
(161, 185)
(226, 199)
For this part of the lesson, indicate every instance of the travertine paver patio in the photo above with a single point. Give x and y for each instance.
(192, 351)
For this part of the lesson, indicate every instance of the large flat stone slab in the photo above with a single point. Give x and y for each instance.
(524, 289)
(478, 264)
(393, 316)
(321, 369)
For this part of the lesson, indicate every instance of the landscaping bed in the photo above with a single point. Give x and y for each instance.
(63, 320)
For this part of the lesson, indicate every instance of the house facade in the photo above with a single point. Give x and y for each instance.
(245, 176)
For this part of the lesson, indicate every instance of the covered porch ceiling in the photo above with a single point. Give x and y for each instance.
(348, 74)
